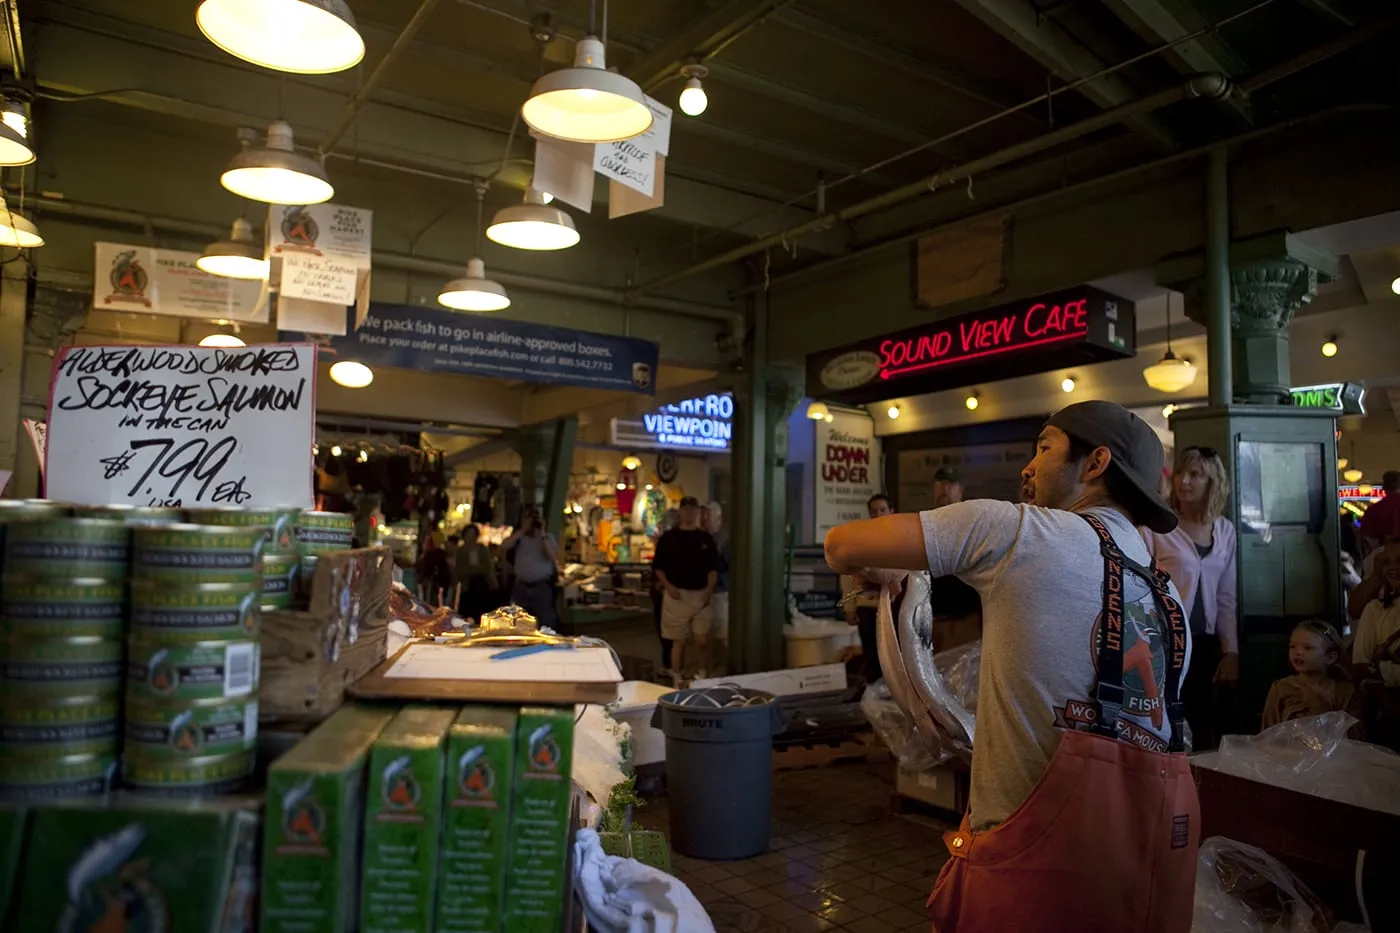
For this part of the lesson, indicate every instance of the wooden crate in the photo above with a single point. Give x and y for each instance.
(943, 788)
(310, 657)
(862, 746)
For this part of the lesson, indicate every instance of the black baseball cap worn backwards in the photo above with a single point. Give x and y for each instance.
(1136, 453)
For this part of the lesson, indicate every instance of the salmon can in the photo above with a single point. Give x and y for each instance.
(39, 668)
(279, 580)
(323, 532)
(200, 776)
(60, 726)
(197, 553)
(165, 612)
(131, 515)
(46, 607)
(202, 670)
(23, 780)
(279, 524)
(68, 547)
(190, 729)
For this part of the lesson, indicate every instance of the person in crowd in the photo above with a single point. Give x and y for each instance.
(1375, 649)
(1199, 555)
(1317, 684)
(712, 520)
(687, 566)
(860, 592)
(476, 574)
(669, 520)
(1079, 780)
(1382, 519)
(434, 571)
(534, 554)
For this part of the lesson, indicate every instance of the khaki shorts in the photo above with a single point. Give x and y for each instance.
(690, 614)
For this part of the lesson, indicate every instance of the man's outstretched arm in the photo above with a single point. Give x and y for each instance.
(894, 542)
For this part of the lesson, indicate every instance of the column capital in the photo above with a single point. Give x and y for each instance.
(1265, 294)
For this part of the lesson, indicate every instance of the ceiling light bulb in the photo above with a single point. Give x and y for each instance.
(276, 173)
(362, 456)
(578, 509)
(226, 341)
(351, 374)
(1342, 463)
(532, 225)
(335, 451)
(693, 98)
(1395, 285)
(828, 417)
(14, 148)
(311, 37)
(1067, 384)
(1329, 347)
(587, 103)
(817, 411)
(1352, 475)
(650, 487)
(631, 462)
(16, 229)
(971, 402)
(893, 412)
(621, 486)
(1170, 373)
(474, 291)
(238, 257)
(1168, 410)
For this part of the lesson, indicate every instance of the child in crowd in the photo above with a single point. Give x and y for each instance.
(1318, 684)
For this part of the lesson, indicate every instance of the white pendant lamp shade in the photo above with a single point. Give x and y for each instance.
(15, 148)
(16, 229)
(532, 225)
(1352, 475)
(474, 291)
(277, 173)
(351, 374)
(818, 411)
(311, 37)
(228, 341)
(1170, 373)
(238, 257)
(587, 103)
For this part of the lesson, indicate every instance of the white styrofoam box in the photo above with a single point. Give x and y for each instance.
(636, 700)
(786, 682)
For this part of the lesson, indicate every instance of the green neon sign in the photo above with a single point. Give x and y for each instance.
(1346, 398)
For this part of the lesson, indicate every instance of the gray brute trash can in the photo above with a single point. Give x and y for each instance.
(719, 769)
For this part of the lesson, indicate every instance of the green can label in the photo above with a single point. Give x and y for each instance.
(210, 775)
(320, 532)
(74, 666)
(49, 779)
(68, 547)
(214, 611)
(64, 725)
(38, 607)
(191, 729)
(279, 581)
(198, 553)
(279, 524)
(197, 671)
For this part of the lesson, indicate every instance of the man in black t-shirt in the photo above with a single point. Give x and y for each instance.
(687, 567)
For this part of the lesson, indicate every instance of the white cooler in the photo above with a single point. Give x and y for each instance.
(636, 700)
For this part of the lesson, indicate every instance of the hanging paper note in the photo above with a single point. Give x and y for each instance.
(631, 162)
(658, 136)
(318, 278)
(565, 170)
(166, 281)
(334, 230)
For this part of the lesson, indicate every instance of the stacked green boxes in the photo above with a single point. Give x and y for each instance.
(541, 800)
(136, 866)
(322, 533)
(62, 603)
(476, 821)
(313, 821)
(192, 658)
(281, 554)
(403, 815)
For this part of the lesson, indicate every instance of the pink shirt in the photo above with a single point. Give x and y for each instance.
(1214, 575)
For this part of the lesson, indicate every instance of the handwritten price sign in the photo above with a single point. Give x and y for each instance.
(182, 426)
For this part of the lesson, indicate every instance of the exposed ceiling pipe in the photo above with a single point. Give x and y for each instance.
(1211, 86)
(389, 260)
(16, 40)
(353, 105)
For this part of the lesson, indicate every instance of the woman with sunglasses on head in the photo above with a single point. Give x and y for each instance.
(1200, 558)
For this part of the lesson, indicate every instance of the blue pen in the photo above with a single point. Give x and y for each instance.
(522, 652)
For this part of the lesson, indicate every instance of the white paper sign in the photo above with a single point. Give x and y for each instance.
(658, 135)
(631, 162)
(166, 281)
(331, 230)
(182, 426)
(318, 278)
(39, 437)
(847, 470)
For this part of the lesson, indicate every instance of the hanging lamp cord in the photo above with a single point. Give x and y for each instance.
(480, 198)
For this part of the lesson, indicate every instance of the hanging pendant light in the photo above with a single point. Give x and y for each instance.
(226, 341)
(310, 37)
(276, 173)
(817, 411)
(474, 291)
(1170, 373)
(587, 103)
(532, 225)
(16, 229)
(693, 99)
(15, 148)
(352, 375)
(631, 462)
(238, 257)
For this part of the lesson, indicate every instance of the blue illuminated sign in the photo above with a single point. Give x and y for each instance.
(697, 422)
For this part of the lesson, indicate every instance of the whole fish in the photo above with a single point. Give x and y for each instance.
(896, 674)
(915, 631)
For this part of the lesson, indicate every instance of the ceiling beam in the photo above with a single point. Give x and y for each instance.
(1044, 40)
(1331, 9)
(706, 36)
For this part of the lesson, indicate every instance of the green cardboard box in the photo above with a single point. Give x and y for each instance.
(311, 839)
(539, 821)
(139, 865)
(476, 820)
(403, 819)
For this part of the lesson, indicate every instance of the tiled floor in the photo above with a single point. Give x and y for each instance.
(840, 859)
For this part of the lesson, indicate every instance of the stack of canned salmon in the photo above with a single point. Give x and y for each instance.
(321, 533)
(191, 714)
(281, 556)
(62, 604)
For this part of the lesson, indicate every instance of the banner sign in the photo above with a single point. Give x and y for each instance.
(442, 341)
(702, 424)
(1077, 326)
(848, 469)
(182, 426)
(166, 281)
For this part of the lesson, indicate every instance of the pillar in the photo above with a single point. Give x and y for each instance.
(1264, 295)
(546, 458)
(13, 302)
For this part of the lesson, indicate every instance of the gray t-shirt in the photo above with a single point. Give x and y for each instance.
(1040, 575)
(532, 561)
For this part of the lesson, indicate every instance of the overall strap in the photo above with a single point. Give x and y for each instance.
(1110, 693)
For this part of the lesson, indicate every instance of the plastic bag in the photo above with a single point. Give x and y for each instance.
(1312, 755)
(1241, 889)
(897, 731)
(959, 667)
